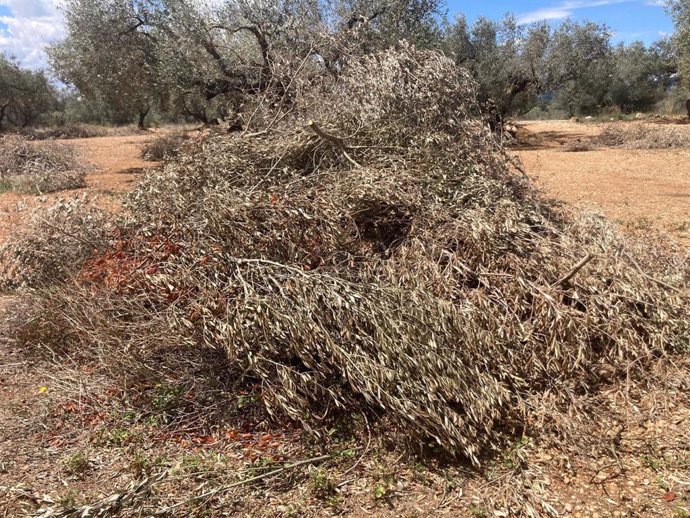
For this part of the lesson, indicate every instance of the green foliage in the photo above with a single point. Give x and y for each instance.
(167, 397)
(25, 96)
(191, 60)
(198, 61)
(323, 485)
(78, 464)
(642, 75)
(680, 9)
(517, 64)
(107, 58)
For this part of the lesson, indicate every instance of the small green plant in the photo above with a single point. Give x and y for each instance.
(246, 400)
(167, 397)
(513, 456)
(69, 499)
(663, 484)
(384, 488)
(323, 485)
(78, 464)
(651, 462)
(142, 465)
(118, 437)
(291, 510)
(681, 512)
(420, 473)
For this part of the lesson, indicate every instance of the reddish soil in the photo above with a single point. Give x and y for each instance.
(117, 163)
(640, 189)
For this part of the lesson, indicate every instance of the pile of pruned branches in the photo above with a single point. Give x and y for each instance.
(39, 167)
(374, 248)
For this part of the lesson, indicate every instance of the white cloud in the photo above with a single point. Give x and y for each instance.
(29, 28)
(563, 10)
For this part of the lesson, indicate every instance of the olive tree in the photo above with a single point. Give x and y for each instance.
(109, 57)
(205, 58)
(517, 64)
(642, 75)
(680, 9)
(25, 95)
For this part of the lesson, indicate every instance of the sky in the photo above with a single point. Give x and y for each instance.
(629, 20)
(27, 26)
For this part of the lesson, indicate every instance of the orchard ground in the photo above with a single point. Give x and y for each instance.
(62, 447)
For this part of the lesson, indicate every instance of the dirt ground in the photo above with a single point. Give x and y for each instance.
(117, 166)
(640, 189)
(66, 440)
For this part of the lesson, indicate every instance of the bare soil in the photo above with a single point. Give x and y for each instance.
(117, 163)
(67, 441)
(640, 189)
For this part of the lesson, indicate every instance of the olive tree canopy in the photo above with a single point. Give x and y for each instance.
(203, 57)
(25, 95)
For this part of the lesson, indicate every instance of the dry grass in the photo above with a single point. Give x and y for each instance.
(644, 136)
(39, 167)
(387, 259)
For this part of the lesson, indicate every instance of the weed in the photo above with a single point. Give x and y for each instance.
(323, 486)
(78, 464)
(141, 465)
(244, 401)
(167, 397)
(384, 488)
(69, 499)
(651, 462)
(116, 437)
(513, 457)
(663, 483)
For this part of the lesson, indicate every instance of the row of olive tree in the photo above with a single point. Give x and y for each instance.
(206, 59)
(680, 9)
(573, 64)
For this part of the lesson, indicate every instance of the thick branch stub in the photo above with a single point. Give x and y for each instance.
(334, 140)
(573, 271)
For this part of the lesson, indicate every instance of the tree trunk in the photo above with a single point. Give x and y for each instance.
(687, 106)
(142, 118)
(3, 109)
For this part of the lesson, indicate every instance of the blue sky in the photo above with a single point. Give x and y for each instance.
(27, 26)
(630, 20)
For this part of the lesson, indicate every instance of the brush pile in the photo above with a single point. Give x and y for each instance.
(39, 167)
(54, 243)
(644, 136)
(165, 147)
(80, 130)
(376, 250)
